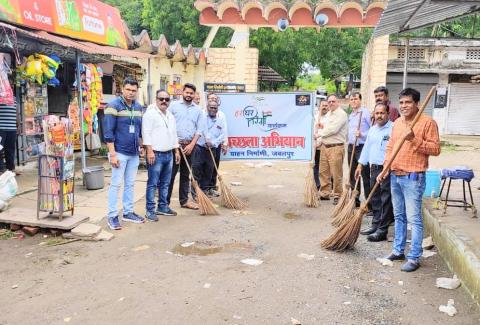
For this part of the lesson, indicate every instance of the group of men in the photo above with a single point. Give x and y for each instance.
(371, 140)
(177, 137)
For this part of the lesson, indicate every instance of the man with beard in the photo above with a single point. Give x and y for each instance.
(373, 155)
(212, 138)
(407, 175)
(381, 96)
(122, 127)
(189, 120)
(159, 134)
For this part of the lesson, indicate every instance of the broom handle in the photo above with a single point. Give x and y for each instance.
(186, 163)
(402, 141)
(213, 158)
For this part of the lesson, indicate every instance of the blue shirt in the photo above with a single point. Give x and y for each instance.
(188, 118)
(122, 125)
(214, 131)
(353, 125)
(373, 151)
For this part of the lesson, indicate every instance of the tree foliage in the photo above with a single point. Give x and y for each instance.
(131, 12)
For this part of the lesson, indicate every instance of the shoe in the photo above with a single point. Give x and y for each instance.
(335, 200)
(357, 204)
(113, 223)
(369, 214)
(190, 205)
(392, 257)
(377, 236)
(324, 198)
(166, 212)
(151, 217)
(368, 231)
(133, 217)
(214, 193)
(410, 266)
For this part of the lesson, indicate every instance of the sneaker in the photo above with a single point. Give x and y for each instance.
(166, 212)
(151, 217)
(410, 266)
(113, 223)
(214, 193)
(335, 200)
(133, 217)
(393, 257)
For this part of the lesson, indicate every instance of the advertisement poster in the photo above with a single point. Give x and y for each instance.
(89, 20)
(268, 125)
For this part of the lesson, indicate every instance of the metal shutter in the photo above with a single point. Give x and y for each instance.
(463, 111)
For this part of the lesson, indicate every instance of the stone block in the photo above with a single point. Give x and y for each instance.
(86, 230)
(14, 227)
(104, 236)
(31, 231)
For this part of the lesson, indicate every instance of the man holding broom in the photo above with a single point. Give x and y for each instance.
(408, 175)
(189, 121)
(373, 155)
(334, 135)
(212, 138)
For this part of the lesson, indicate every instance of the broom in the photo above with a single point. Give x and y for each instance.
(348, 210)
(347, 234)
(229, 200)
(342, 202)
(310, 196)
(206, 206)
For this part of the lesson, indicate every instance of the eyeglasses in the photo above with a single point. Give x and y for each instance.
(331, 101)
(163, 99)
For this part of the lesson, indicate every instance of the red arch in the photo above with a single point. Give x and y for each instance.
(275, 15)
(373, 16)
(254, 17)
(332, 16)
(351, 16)
(302, 17)
(208, 16)
(232, 16)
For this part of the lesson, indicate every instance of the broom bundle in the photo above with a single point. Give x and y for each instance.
(228, 199)
(345, 236)
(346, 213)
(310, 196)
(346, 194)
(206, 206)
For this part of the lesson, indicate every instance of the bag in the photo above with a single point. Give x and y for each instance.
(8, 188)
(95, 143)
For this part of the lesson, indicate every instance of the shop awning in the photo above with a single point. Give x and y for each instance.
(84, 47)
(402, 16)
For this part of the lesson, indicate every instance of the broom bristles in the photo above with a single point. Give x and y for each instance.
(347, 212)
(342, 201)
(229, 200)
(310, 196)
(205, 206)
(345, 236)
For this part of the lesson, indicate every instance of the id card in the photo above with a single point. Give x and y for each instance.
(131, 128)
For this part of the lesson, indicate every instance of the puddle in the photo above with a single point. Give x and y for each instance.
(205, 248)
(291, 215)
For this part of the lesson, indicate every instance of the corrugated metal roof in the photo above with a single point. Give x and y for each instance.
(402, 15)
(85, 47)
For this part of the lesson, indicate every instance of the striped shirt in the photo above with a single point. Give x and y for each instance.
(8, 117)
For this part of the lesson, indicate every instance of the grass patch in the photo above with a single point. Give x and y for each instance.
(6, 234)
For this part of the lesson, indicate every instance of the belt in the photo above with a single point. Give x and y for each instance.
(373, 166)
(185, 142)
(403, 173)
(333, 145)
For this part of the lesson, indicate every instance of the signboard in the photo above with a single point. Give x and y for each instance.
(268, 125)
(224, 87)
(88, 20)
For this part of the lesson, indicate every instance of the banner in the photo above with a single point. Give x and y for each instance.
(88, 20)
(223, 87)
(268, 125)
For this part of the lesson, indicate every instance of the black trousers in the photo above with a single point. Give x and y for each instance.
(203, 167)
(184, 185)
(316, 168)
(7, 154)
(365, 172)
(216, 152)
(381, 201)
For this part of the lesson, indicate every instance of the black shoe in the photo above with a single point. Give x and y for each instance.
(392, 257)
(377, 236)
(368, 231)
(357, 204)
(324, 198)
(369, 214)
(410, 266)
(335, 200)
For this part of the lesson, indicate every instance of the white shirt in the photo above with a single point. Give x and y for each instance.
(159, 130)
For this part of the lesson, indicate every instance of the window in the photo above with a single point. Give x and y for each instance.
(473, 54)
(177, 79)
(413, 53)
(163, 81)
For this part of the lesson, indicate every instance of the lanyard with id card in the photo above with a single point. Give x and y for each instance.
(131, 110)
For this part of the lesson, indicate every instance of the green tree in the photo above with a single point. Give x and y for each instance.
(131, 12)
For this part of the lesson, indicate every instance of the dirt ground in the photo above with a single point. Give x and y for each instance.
(144, 276)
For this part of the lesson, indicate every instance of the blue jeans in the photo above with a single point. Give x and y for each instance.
(407, 208)
(159, 175)
(127, 172)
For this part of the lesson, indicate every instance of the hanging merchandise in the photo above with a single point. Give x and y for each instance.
(6, 92)
(91, 76)
(40, 68)
(56, 167)
(74, 116)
